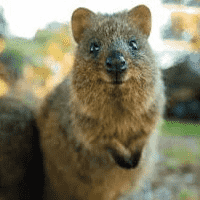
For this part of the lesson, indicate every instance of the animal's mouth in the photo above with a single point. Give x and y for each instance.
(114, 82)
(117, 82)
(117, 79)
(113, 79)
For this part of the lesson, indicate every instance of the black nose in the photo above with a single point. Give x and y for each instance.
(116, 62)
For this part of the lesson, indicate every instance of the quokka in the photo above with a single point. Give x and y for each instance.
(96, 125)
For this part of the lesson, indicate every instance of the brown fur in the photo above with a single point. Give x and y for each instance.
(90, 127)
(20, 154)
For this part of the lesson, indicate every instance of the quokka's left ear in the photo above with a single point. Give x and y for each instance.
(141, 16)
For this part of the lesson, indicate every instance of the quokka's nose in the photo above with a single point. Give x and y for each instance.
(116, 63)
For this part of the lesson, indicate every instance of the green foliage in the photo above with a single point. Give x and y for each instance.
(55, 42)
(27, 47)
(181, 155)
(188, 194)
(26, 50)
(174, 128)
(59, 36)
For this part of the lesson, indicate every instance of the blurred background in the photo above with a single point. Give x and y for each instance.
(36, 52)
(36, 47)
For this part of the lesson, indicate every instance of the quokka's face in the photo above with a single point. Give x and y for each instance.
(113, 50)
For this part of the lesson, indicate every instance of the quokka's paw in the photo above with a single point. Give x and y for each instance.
(127, 162)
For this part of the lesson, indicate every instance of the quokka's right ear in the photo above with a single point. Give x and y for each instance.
(80, 21)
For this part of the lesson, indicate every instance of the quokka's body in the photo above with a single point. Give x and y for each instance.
(96, 125)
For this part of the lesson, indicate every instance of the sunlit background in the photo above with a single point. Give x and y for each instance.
(37, 47)
(36, 52)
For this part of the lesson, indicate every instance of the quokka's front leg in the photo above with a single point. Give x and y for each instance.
(123, 156)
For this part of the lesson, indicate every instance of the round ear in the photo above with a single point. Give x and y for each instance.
(80, 21)
(141, 17)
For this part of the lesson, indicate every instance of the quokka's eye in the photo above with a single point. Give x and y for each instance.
(133, 45)
(94, 48)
